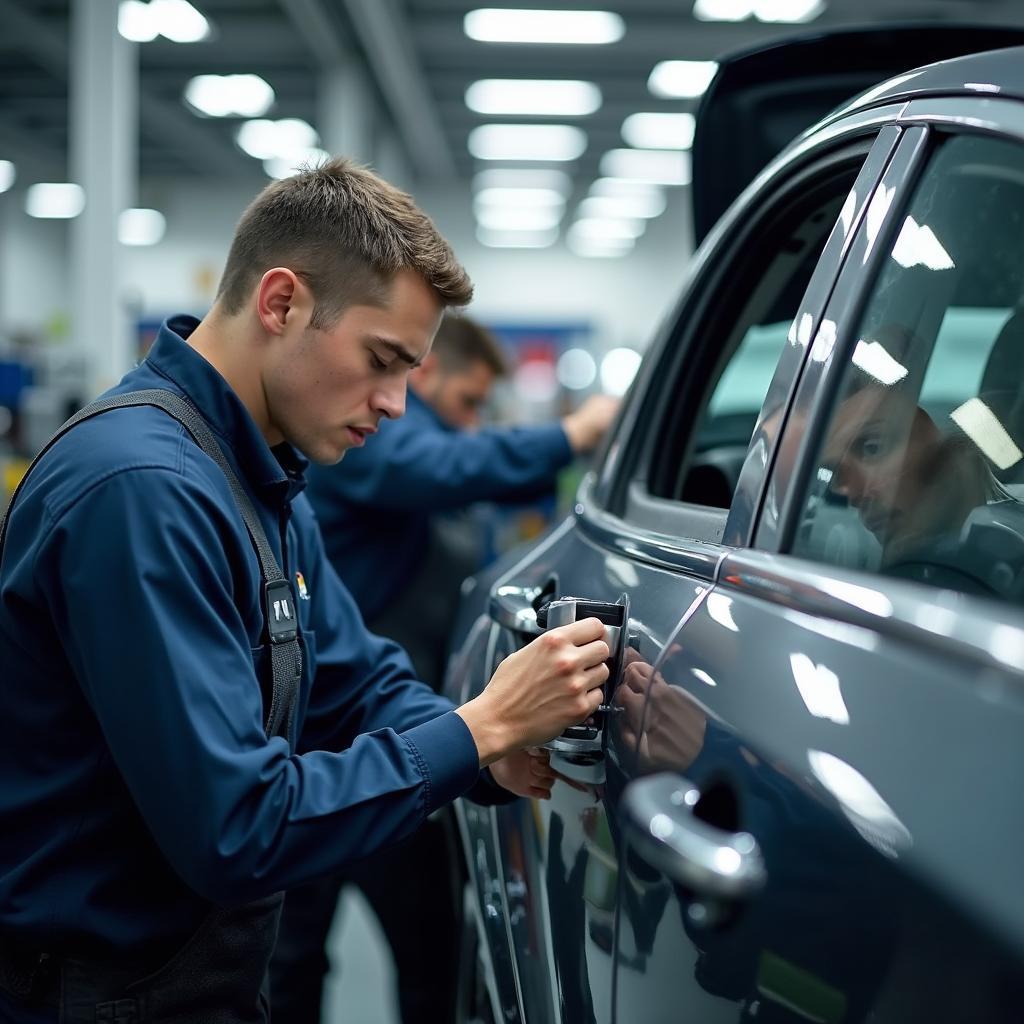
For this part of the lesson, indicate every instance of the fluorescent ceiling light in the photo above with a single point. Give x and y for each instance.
(527, 142)
(597, 248)
(136, 21)
(618, 368)
(179, 21)
(59, 200)
(522, 198)
(512, 177)
(285, 166)
(8, 172)
(517, 239)
(875, 361)
(773, 11)
(510, 218)
(653, 166)
(788, 12)
(608, 227)
(918, 246)
(681, 79)
(623, 187)
(140, 227)
(265, 140)
(229, 95)
(659, 131)
(979, 423)
(642, 206)
(576, 369)
(493, 25)
(538, 97)
(176, 20)
(723, 10)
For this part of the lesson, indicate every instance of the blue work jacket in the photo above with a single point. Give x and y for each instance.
(137, 785)
(375, 506)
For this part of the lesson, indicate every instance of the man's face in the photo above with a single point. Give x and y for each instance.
(457, 397)
(880, 448)
(327, 390)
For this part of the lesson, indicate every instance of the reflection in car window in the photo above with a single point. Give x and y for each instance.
(920, 473)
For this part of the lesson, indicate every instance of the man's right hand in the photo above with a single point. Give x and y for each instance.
(590, 422)
(539, 691)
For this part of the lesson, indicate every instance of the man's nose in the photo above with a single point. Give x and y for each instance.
(389, 400)
(848, 483)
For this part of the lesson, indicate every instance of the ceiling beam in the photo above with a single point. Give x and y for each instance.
(387, 43)
(207, 151)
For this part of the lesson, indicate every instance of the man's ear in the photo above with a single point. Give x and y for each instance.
(280, 298)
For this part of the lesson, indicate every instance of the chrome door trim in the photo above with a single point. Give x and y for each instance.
(987, 634)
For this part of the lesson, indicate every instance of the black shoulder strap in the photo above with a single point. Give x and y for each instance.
(279, 610)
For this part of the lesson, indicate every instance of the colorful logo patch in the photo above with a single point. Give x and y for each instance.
(300, 581)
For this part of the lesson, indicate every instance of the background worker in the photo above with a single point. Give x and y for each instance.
(151, 810)
(382, 517)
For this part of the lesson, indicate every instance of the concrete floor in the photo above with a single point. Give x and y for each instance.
(360, 986)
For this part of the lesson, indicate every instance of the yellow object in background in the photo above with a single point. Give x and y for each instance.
(13, 470)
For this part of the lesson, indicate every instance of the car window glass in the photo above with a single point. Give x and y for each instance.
(920, 473)
(751, 326)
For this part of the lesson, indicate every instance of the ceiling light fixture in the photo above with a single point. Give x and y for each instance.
(59, 200)
(659, 131)
(8, 173)
(494, 25)
(531, 178)
(681, 79)
(643, 207)
(654, 166)
(771, 11)
(140, 227)
(229, 95)
(511, 218)
(527, 142)
(533, 97)
(516, 239)
(176, 20)
(265, 140)
(522, 198)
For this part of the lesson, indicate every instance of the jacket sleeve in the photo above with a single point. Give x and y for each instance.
(365, 682)
(407, 466)
(144, 603)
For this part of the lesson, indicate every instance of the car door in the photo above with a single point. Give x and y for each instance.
(560, 861)
(827, 816)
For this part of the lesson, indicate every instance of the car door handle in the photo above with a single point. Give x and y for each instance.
(513, 607)
(658, 816)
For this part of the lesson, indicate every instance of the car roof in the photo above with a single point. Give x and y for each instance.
(994, 73)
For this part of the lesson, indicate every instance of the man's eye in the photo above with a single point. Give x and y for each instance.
(871, 447)
(376, 362)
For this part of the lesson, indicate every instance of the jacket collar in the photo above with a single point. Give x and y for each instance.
(276, 474)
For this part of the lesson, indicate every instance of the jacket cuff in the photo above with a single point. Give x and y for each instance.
(447, 756)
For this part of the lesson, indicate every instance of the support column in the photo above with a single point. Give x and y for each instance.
(103, 147)
(345, 112)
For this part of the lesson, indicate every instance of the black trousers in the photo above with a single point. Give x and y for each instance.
(415, 892)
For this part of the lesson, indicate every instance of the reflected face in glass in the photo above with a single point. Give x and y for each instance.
(881, 449)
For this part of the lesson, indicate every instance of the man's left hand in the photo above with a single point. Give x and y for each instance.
(525, 773)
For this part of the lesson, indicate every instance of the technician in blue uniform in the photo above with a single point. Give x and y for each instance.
(381, 513)
(147, 822)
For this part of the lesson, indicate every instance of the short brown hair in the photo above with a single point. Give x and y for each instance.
(344, 231)
(461, 342)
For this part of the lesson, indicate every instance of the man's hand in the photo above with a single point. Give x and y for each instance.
(590, 422)
(525, 773)
(534, 694)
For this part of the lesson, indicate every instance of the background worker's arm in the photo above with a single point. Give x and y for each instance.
(407, 467)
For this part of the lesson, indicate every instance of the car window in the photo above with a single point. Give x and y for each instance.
(920, 471)
(751, 320)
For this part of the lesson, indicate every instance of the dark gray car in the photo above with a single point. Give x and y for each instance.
(804, 799)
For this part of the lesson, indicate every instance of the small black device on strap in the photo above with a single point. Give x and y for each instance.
(279, 611)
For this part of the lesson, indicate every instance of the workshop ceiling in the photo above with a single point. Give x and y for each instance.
(415, 53)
